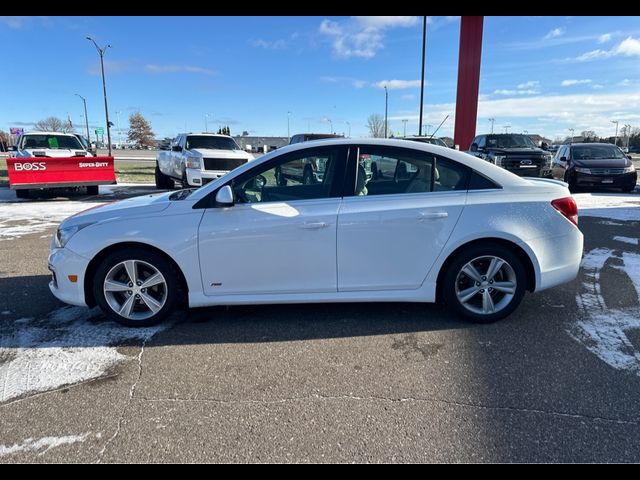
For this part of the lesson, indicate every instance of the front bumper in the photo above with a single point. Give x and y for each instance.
(197, 178)
(624, 180)
(63, 263)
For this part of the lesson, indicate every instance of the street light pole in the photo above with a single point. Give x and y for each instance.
(506, 128)
(615, 139)
(386, 105)
(405, 127)
(571, 130)
(86, 119)
(492, 120)
(628, 127)
(104, 89)
(424, 44)
(288, 125)
(348, 125)
(206, 126)
(119, 129)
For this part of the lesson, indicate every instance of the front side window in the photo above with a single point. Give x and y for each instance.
(303, 175)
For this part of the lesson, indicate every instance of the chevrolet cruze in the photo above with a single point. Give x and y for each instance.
(433, 224)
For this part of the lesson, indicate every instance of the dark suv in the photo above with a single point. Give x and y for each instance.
(514, 152)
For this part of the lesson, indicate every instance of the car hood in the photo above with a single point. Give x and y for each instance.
(519, 151)
(137, 206)
(603, 163)
(215, 153)
(47, 152)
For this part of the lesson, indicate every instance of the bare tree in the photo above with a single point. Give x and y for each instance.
(140, 130)
(4, 141)
(54, 124)
(375, 122)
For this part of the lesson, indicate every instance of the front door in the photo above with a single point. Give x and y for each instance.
(276, 239)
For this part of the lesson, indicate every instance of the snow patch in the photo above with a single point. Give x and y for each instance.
(610, 206)
(70, 346)
(46, 443)
(631, 241)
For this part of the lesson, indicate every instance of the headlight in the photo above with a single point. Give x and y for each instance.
(583, 170)
(192, 162)
(63, 235)
(548, 159)
(630, 169)
(497, 159)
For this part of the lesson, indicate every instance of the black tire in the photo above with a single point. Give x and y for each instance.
(629, 189)
(307, 176)
(23, 193)
(93, 190)
(456, 282)
(171, 286)
(184, 181)
(163, 182)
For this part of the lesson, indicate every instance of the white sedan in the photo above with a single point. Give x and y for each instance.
(389, 220)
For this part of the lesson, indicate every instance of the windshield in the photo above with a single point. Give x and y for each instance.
(50, 141)
(596, 152)
(510, 141)
(210, 142)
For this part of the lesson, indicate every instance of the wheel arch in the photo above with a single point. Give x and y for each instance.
(100, 256)
(522, 255)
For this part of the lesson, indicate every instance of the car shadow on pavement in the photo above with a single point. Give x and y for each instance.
(27, 306)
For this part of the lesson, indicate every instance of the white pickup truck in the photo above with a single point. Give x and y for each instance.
(195, 159)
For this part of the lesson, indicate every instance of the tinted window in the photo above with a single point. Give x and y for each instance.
(50, 141)
(481, 141)
(480, 182)
(509, 141)
(449, 176)
(210, 142)
(268, 183)
(601, 152)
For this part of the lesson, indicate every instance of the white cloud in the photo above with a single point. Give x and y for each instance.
(555, 33)
(570, 83)
(597, 86)
(156, 69)
(358, 83)
(529, 84)
(503, 91)
(625, 83)
(409, 96)
(604, 38)
(269, 45)
(397, 84)
(628, 47)
(361, 37)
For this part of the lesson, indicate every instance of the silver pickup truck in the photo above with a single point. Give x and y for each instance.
(195, 159)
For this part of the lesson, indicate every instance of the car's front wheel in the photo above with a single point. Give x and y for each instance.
(484, 283)
(136, 287)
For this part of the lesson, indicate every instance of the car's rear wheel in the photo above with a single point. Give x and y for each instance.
(23, 193)
(484, 283)
(136, 288)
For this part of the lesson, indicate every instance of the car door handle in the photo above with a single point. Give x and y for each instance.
(314, 225)
(432, 215)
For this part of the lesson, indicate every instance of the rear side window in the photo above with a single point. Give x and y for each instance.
(480, 182)
(449, 176)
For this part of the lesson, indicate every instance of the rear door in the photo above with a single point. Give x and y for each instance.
(397, 220)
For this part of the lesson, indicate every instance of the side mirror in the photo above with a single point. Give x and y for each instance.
(176, 148)
(13, 148)
(563, 159)
(474, 147)
(544, 146)
(629, 157)
(224, 197)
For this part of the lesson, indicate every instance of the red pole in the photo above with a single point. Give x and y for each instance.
(468, 80)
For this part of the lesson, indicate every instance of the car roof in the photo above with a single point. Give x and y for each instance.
(50, 133)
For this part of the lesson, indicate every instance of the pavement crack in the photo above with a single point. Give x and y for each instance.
(316, 397)
(132, 393)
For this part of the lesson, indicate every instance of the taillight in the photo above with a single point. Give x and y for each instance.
(568, 207)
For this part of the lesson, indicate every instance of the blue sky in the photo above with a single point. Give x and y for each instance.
(539, 74)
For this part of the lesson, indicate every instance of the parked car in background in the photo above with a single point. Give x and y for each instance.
(195, 159)
(307, 171)
(430, 140)
(443, 226)
(514, 152)
(594, 165)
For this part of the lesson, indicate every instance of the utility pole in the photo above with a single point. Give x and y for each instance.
(424, 45)
(386, 105)
(615, 139)
(86, 119)
(405, 127)
(492, 120)
(288, 128)
(104, 89)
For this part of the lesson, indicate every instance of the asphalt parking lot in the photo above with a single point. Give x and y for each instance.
(558, 381)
